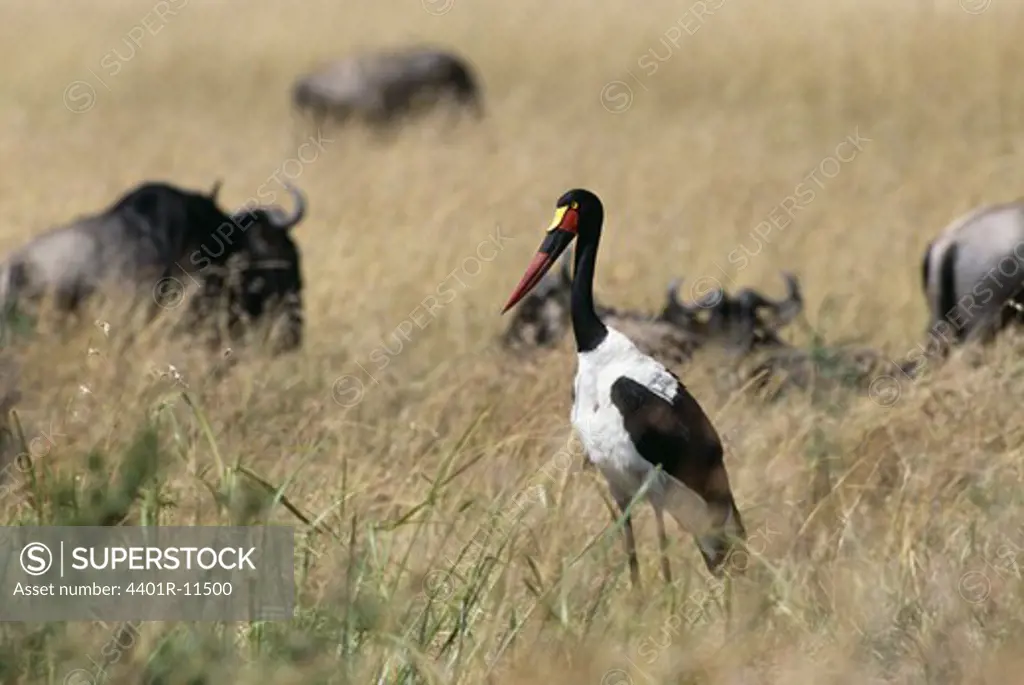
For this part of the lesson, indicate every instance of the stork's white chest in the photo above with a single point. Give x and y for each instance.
(598, 422)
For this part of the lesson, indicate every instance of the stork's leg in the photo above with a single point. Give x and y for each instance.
(634, 565)
(627, 530)
(666, 570)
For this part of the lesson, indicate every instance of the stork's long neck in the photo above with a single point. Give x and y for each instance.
(589, 330)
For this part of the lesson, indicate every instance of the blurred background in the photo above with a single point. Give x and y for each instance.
(849, 132)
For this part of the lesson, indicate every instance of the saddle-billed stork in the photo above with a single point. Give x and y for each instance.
(632, 414)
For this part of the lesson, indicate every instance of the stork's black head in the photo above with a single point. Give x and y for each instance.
(577, 212)
(587, 208)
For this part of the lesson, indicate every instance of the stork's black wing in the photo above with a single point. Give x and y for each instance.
(678, 436)
(675, 435)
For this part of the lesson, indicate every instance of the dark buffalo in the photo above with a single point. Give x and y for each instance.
(742, 322)
(743, 326)
(153, 235)
(142, 237)
(964, 275)
(381, 87)
(747, 325)
(542, 317)
(262, 281)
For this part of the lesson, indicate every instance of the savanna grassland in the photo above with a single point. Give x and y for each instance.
(459, 540)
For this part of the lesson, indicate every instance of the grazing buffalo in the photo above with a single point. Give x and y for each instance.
(542, 317)
(745, 326)
(146, 238)
(261, 282)
(673, 335)
(381, 87)
(973, 274)
(736, 321)
(139, 239)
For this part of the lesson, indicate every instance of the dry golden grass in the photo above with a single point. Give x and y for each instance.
(884, 537)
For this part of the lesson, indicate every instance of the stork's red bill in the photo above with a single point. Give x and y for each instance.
(560, 235)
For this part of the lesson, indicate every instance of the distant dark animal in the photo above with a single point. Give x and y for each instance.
(382, 87)
(746, 326)
(735, 321)
(743, 322)
(146, 235)
(541, 320)
(261, 282)
(973, 275)
(154, 234)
